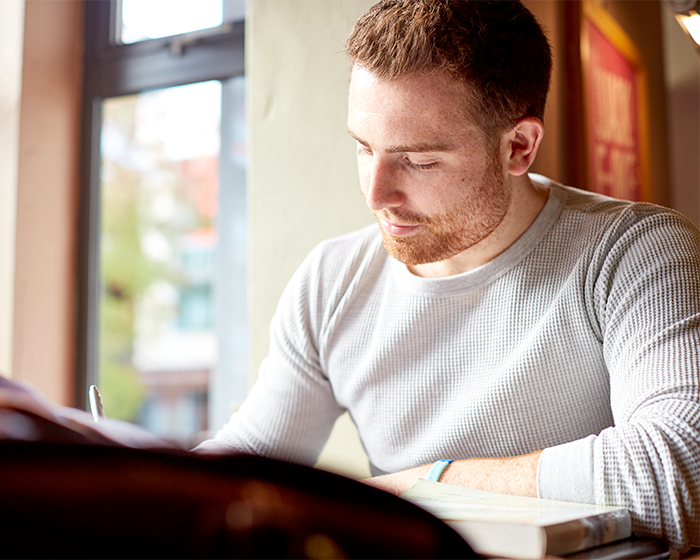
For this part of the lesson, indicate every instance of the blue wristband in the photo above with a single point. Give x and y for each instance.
(436, 470)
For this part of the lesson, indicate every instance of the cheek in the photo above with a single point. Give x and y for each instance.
(363, 176)
(448, 192)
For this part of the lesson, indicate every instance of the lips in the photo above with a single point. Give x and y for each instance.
(397, 230)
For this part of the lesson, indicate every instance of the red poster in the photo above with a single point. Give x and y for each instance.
(614, 141)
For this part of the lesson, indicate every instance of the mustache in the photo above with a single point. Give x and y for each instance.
(403, 217)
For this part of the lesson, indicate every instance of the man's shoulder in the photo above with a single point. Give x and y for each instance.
(579, 200)
(349, 262)
(367, 238)
(608, 228)
(595, 205)
(346, 254)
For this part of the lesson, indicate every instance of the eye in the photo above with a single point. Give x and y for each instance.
(363, 150)
(421, 166)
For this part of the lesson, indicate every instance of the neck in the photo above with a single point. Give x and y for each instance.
(526, 202)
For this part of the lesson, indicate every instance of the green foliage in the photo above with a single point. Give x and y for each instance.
(122, 392)
(124, 273)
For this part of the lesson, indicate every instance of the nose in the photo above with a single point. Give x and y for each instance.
(381, 186)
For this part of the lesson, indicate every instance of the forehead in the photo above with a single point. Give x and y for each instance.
(433, 104)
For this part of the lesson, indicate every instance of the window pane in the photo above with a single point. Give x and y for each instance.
(159, 255)
(151, 19)
(234, 10)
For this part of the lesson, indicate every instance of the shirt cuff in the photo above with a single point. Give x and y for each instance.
(565, 472)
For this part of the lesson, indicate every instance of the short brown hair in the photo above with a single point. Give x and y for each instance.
(496, 48)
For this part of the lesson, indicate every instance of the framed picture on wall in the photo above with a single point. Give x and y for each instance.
(614, 94)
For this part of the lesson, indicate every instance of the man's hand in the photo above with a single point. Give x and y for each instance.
(507, 475)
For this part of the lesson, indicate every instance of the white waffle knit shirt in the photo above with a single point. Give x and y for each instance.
(582, 339)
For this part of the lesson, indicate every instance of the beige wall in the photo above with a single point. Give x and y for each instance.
(47, 198)
(11, 34)
(303, 185)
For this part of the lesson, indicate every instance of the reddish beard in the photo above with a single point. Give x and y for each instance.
(473, 217)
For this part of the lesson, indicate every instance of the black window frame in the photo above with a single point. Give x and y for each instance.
(112, 69)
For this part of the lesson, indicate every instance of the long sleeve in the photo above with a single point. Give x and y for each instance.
(646, 305)
(292, 407)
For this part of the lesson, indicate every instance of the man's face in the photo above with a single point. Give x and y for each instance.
(425, 170)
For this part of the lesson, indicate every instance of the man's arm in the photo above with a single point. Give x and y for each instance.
(506, 475)
(290, 411)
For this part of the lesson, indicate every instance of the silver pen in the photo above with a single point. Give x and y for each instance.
(98, 412)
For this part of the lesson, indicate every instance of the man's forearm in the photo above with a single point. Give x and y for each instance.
(507, 475)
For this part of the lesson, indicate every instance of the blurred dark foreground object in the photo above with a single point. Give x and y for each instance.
(60, 500)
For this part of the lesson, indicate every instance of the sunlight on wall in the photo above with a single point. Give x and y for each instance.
(11, 37)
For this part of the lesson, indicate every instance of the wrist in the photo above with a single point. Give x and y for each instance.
(437, 468)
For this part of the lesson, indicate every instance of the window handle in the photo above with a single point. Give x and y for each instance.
(180, 42)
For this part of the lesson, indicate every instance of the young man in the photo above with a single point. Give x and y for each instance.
(541, 337)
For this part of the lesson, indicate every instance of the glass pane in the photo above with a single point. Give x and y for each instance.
(151, 19)
(159, 254)
(229, 384)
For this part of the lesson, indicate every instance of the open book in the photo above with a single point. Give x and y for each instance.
(26, 414)
(519, 527)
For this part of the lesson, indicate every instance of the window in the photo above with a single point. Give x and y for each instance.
(140, 20)
(163, 327)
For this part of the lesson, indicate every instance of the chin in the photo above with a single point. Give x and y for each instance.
(414, 252)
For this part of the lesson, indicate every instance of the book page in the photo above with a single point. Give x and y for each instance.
(466, 504)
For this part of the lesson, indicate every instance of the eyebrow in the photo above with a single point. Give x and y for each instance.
(417, 147)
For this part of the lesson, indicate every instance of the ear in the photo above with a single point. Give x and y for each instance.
(523, 141)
